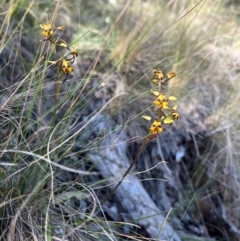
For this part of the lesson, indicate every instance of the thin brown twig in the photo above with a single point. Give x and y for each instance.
(145, 142)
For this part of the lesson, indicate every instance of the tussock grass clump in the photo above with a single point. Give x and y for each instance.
(75, 79)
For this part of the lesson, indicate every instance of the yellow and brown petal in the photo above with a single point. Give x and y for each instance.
(67, 69)
(172, 98)
(168, 120)
(146, 117)
(158, 74)
(62, 43)
(62, 27)
(171, 75)
(74, 52)
(155, 92)
(162, 97)
(155, 81)
(175, 115)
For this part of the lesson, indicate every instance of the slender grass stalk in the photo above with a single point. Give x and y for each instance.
(24, 204)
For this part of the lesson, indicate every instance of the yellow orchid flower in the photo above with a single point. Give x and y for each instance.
(158, 74)
(67, 69)
(47, 30)
(156, 127)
